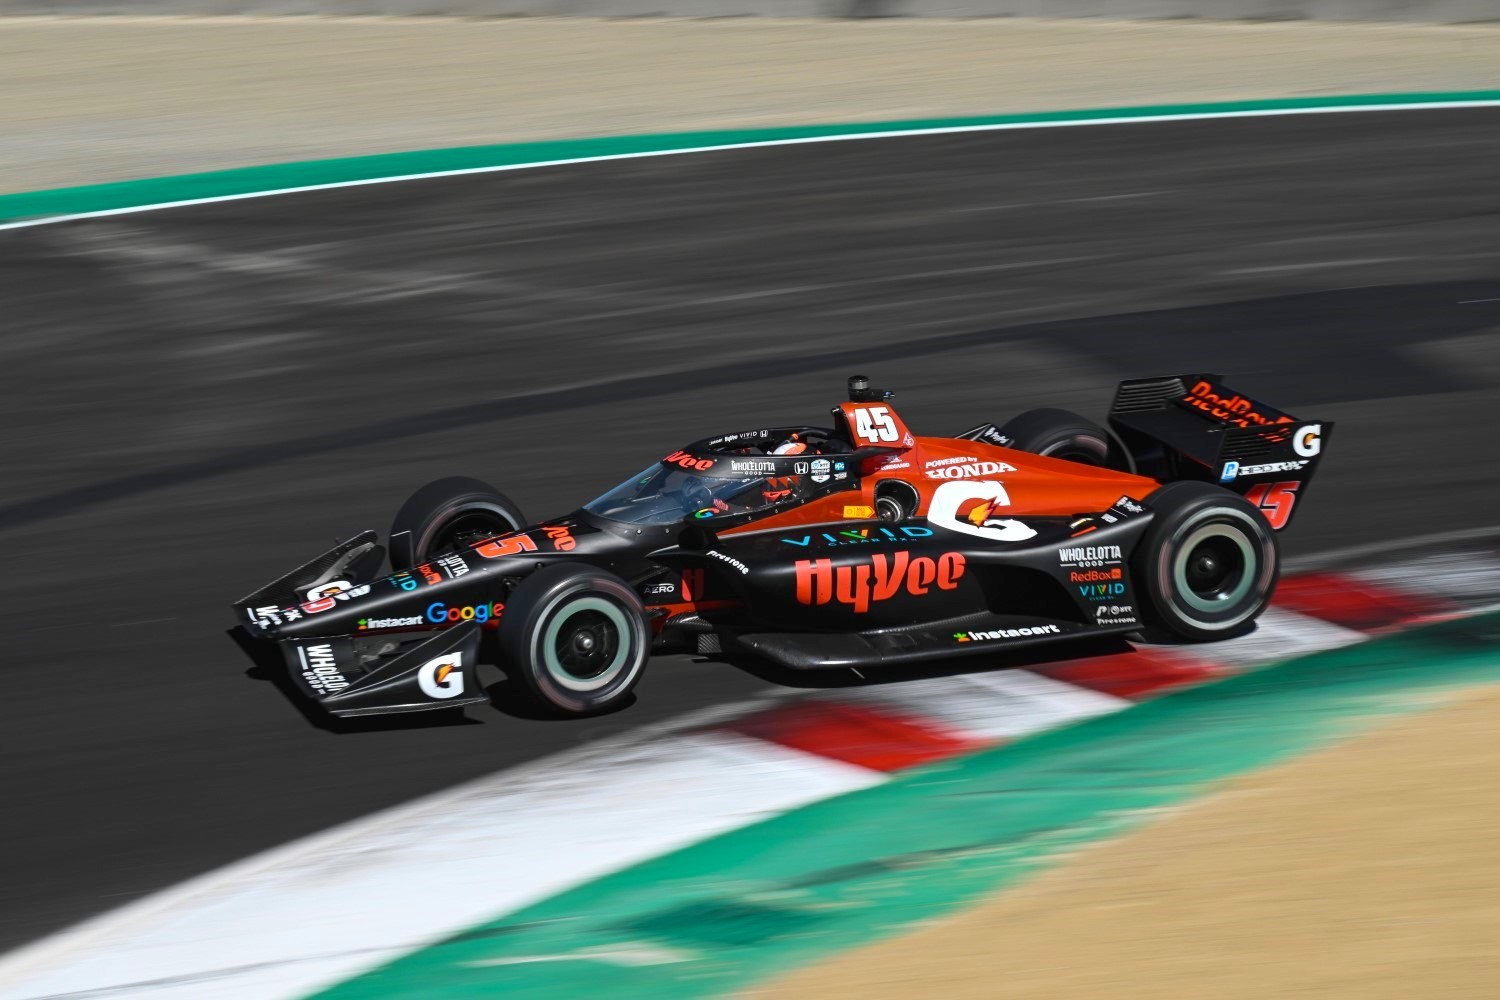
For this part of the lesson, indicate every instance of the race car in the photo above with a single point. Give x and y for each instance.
(814, 547)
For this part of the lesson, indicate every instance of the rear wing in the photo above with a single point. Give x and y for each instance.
(1195, 427)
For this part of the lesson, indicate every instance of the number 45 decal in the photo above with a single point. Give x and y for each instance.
(874, 424)
(1275, 501)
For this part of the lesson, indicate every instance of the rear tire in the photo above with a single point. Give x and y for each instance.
(1059, 434)
(574, 639)
(448, 513)
(1208, 565)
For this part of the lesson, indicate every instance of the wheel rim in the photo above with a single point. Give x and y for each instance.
(586, 645)
(1214, 569)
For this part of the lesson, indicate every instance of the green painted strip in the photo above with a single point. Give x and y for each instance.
(753, 903)
(248, 181)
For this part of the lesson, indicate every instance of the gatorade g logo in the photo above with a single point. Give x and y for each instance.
(321, 591)
(819, 581)
(442, 677)
(1308, 440)
(983, 500)
(323, 597)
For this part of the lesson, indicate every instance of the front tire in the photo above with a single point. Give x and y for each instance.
(449, 514)
(1208, 564)
(574, 638)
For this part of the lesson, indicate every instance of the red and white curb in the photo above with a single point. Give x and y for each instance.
(322, 910)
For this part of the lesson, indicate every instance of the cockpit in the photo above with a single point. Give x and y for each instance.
(733, 476)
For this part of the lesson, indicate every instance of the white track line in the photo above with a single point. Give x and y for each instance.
(1123, 119)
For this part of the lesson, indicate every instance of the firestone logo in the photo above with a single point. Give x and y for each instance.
(820, 582)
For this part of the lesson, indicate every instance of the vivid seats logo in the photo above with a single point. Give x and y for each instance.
(820, 582)
(859, 536)
(1101, 591)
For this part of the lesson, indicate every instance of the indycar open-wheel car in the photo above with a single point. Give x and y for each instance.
(846, 545)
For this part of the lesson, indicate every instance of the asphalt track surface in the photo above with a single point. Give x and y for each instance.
(197, 400)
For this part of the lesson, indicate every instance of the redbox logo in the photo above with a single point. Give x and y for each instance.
(819, 581)
(1094, 575)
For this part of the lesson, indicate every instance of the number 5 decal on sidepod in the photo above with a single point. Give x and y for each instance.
(1275, 501)
(506, 546)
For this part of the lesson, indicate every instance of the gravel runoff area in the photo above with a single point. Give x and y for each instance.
(1370, 871)
(100, 99)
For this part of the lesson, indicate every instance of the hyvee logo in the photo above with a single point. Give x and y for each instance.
(442, 677)
(320, 670)
(970, 470)
(1094, 575)
(560, 536)
(819, 581)
(687, 461)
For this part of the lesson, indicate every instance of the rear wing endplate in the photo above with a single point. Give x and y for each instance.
(1195, 427)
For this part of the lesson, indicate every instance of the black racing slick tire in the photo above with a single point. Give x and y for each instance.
(1208, 565)
(574, 639)
(1059, 434)
(450, 513)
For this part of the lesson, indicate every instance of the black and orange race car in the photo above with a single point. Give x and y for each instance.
(813, 547)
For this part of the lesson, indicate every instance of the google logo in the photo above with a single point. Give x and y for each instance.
(438, 612)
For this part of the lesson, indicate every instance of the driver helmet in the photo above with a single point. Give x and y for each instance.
(793, 445)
